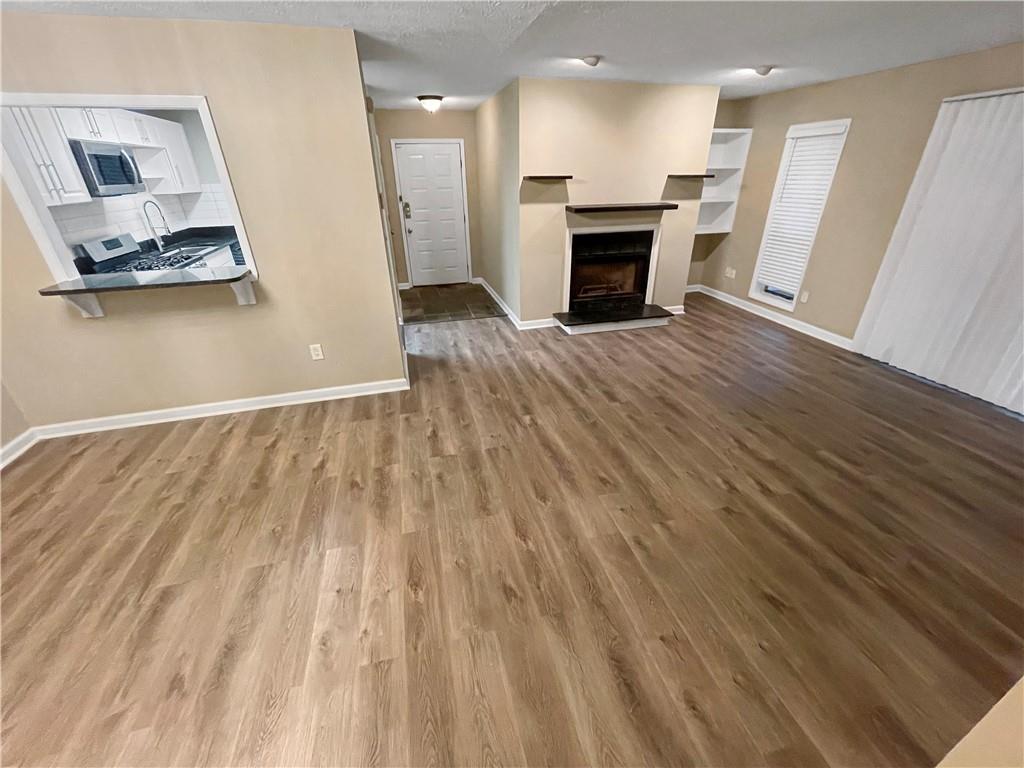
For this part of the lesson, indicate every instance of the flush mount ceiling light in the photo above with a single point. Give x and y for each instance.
(430, 102)
(764, 70)
(591, 61)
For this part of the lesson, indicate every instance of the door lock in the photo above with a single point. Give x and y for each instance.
(407, 210)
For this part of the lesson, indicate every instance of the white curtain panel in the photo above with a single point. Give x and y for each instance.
(948, 301)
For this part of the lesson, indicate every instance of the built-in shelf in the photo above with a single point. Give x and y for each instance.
(691, 175)
(727, 156)
(549, 177)
(82, 291)
(621, 207)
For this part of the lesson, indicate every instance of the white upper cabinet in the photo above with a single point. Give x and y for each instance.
(39, 146)
(135, 129)
(184, 175)
(87, 124)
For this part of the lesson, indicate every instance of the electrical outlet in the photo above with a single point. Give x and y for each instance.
(804, 297)
(730, 272)
(316, 351)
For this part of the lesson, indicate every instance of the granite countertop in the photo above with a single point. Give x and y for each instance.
(134, 281)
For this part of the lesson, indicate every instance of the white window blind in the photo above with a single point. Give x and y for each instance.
(809, 162)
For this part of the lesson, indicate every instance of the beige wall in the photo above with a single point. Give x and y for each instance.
(997, 741)
(497, 132)
(12, 420)
(893, 112)
(420, 124)
(620, 141)
(289, 110)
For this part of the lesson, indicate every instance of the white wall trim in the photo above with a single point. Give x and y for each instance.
(30, 437)
(18, 446)
(521, 325)
(800, 326)
(676, 309)
(404, 286)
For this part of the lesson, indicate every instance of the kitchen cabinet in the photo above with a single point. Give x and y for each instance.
(135, 129)
(184, 175)
(87, 123)
(40, 147)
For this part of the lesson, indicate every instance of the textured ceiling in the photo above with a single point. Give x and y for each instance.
(469, 50)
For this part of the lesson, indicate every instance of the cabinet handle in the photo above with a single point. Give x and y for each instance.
(56, 176)
(51, 183)
(88, 119)
(96, 125)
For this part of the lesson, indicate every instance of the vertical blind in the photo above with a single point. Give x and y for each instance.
(948, 301)
(808, 165)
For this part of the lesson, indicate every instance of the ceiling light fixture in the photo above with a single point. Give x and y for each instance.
(430, 102)
(591, 61)
(764, 70)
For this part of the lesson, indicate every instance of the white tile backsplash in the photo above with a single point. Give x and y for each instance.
(107, 216)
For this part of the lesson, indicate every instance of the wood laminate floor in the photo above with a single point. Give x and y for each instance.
(715, 543)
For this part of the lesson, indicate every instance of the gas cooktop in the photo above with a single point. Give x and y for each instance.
(160, 261)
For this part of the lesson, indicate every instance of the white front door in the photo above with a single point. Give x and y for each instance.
(430, 194)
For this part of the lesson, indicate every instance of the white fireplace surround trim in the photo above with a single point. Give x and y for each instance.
(652, 270)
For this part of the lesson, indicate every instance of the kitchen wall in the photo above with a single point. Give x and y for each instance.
(288, 103)
(112, 215)
(893, 112)
(620, 141)
(497, 131)
(420, 124)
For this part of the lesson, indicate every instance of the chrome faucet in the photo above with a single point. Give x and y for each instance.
(152, 226)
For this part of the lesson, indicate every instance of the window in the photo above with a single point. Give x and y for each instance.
(808, 165)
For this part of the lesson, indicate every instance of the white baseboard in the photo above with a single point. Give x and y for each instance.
(521, 325)
(29, 438)
(843, 342)
(403, 286)
(676, 309)
(18, 446)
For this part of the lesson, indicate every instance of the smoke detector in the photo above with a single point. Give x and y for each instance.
(764, 70)
(591, 61)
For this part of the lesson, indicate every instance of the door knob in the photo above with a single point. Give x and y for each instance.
(407, 210)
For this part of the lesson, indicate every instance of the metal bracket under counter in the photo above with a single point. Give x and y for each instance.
(83, 292)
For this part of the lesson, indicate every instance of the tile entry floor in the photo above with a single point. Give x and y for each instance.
(438, 303)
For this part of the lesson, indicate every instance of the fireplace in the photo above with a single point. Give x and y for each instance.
(608, 278)
(609, 271)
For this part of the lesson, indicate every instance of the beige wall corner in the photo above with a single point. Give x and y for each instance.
(997, 741)
(497, 133)
(892, 112)
(420, 124)
(620, 141)
(290, 116)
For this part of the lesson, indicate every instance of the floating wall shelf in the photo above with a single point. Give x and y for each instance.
(691, 175)
(546, 178)
(620, 207)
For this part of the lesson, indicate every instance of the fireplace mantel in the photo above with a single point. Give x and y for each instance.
(620, 207)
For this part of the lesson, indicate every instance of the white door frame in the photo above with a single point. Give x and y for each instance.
(465, 199)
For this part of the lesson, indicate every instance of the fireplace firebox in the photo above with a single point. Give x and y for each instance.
(609, 270)
(609, 274)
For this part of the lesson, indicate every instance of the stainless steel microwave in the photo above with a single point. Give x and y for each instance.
(108, 169)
